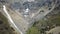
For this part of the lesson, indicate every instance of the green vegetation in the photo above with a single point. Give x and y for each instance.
(43, 25)
(33, 30)
(5, 27)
